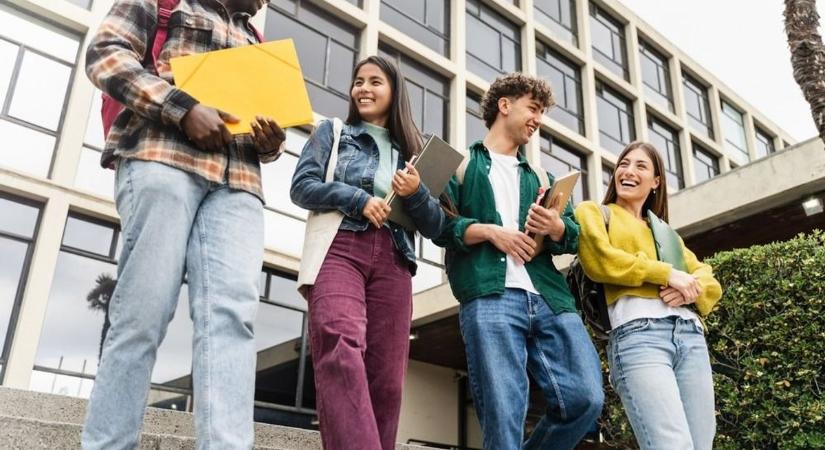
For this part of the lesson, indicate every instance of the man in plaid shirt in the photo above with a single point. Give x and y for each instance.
(190, 200)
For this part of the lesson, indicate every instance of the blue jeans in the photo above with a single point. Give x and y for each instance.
(506, 335)
(661, 370)
(175, 222)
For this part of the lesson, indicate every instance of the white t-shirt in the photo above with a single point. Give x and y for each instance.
(629, 308)
(504, 177)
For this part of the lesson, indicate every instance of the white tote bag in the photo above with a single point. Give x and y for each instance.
(322, 226)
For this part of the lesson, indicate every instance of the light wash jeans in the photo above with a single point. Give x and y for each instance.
(505, 336)
(661, 370)
(175, 222)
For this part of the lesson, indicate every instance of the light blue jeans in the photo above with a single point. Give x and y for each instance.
(507, 335)
(661, 370)
(175, 222)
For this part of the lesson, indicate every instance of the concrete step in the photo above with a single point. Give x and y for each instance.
(20, 433)
(55, 421)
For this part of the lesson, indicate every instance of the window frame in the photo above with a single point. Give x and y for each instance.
(17, 301)
(607, 20)
(479, 6)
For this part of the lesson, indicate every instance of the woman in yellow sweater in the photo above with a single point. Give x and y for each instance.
(659, 363)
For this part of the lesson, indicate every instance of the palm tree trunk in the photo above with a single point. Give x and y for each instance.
(807, 56)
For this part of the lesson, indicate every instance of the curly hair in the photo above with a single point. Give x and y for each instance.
(513, 86)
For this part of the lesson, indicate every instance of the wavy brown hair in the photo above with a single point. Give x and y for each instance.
(657, 199)
(513, 86)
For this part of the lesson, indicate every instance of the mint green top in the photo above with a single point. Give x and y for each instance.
(387, 160)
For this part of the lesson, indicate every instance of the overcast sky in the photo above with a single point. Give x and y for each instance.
(743, 43)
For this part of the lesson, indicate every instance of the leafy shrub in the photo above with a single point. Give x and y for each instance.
(767, 345)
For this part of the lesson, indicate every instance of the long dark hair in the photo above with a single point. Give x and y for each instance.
(400, 121)
(657, 199)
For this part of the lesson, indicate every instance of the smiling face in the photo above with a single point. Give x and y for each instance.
(635, 177)
(522, 117)
(372, 94)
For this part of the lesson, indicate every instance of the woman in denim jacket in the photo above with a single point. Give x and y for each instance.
(658, 357)
(360, 306)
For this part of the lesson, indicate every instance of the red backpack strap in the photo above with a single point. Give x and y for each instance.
(165, 8)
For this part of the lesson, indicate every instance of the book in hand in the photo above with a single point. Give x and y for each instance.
(436, 163)
(556, 197)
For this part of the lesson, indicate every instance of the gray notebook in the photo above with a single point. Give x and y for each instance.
(436, 163)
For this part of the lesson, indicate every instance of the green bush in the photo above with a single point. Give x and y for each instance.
(767, 344)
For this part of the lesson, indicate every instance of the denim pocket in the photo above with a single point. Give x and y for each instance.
(631, 327)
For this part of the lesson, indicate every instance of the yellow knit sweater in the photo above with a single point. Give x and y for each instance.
(625, 260)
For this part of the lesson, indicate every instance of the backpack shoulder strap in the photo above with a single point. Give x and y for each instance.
(606, 215)
(165, 8)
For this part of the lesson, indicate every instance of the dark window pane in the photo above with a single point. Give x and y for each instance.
(666, 142)
(607, 174)
(11, 269)
(476, 130)
(656, 76)
(74, 328)
(17, 218)
(284, 290)
(565, 80)
(615, 119)
(608, 41)
(559, 16)
(428, 91)
(425, 20)
(706, 166)
(278, 334)
(764, 144)
(697, 105)
(493, 43)
(88, 236)
(733, 127)
(560, 159)
(326, 48)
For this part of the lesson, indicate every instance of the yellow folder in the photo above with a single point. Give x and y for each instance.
(262, 79)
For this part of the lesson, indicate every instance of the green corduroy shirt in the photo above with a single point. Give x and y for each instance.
(480, 269)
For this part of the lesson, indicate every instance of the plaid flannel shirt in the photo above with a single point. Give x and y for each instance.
(150, 126)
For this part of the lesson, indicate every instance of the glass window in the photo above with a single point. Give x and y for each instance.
(76, 320)
(607, 174)
(697, 106)
(560, 159)
(666, 141)
(90, 175)
(16, 218)
(282, 345)
(18, 222)
(764, 144)
(427, 21)
(36, 66)
(429, 92)
(327, 48)
(493, 42)
(656, 76)
(82, 3)
(476, 130)
(427, 276)
(733, 127)
(705, 164)
(608, 39)
(559, 16)
(565, 79)
(615, 119)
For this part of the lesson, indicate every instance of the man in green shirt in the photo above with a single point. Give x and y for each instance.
(516, 310)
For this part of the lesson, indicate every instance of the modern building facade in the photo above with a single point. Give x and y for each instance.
(615, 79)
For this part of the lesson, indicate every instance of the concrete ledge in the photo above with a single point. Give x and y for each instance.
(36, 420)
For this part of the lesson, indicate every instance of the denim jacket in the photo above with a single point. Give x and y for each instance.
(352, 186)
